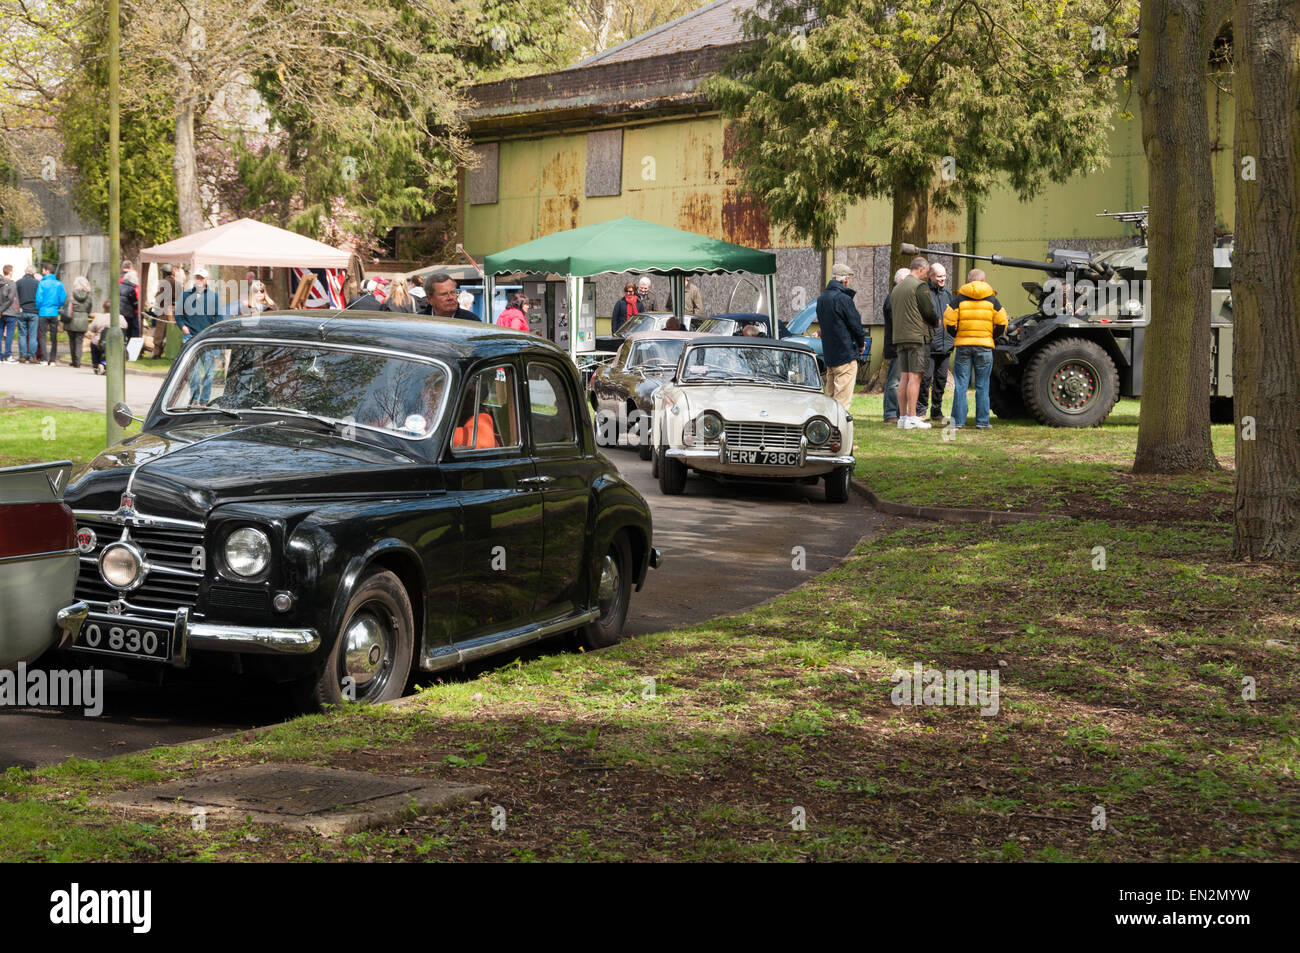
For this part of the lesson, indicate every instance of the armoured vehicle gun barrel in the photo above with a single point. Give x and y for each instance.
(1073, 265)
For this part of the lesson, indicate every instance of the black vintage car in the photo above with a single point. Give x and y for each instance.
(622, 392)
(336, 500)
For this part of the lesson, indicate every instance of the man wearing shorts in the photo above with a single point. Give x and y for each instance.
(914, 320)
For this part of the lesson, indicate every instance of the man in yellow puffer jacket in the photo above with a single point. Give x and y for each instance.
(977, 318)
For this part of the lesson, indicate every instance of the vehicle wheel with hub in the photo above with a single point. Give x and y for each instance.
(374, 647)
(672, 475)
(1006, 401)
(1071, 383)
(645, 437)
(837, 484)
(613, 594)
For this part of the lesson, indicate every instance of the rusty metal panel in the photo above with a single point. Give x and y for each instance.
(604, 162)
(744, 219)
(482, 184)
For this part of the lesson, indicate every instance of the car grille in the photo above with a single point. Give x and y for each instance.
(752, 436)
(172, 581)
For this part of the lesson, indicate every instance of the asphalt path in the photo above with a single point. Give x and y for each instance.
(65, 387)
(725, 548)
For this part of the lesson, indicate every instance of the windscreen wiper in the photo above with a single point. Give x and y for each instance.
(330, 422)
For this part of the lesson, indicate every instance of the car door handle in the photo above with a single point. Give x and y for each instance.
(535, 480)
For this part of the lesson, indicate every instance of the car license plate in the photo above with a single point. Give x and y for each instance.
(134, 638)
(763, 458)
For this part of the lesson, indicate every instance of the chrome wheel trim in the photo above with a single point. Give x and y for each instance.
(368, 648)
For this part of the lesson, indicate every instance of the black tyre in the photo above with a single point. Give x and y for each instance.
(1221, 410)
(837, 484)
(1071, 382)
(672, 475)
(644, 437)
(1006, 400)
(613, 594)
(374, 646)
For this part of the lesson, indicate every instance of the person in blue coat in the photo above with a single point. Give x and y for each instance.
(842, 336)
(199, 310)
(50, 298)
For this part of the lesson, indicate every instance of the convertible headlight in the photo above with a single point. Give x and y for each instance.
(710, 425)
(817, 430)
(122, 565)
(248, 552)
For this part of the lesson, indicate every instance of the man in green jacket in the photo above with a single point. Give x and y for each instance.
(914, 321)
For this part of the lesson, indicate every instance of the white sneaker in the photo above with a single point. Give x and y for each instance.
(904, 423)
(11, 360)
(919, 424)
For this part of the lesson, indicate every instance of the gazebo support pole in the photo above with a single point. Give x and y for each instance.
(677, 282)
(773, 317)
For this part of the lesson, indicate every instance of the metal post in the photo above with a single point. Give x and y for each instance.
(115, 352)
(770, 284)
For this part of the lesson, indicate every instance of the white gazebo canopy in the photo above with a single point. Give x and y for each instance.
(247, 243)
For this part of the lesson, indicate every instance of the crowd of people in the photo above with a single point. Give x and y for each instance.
(927, 328)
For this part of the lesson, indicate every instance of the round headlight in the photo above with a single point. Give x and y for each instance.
(818, 431)
(248, 551)
(122, 565)
(710, 425)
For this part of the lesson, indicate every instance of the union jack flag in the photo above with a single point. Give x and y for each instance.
(321, 278)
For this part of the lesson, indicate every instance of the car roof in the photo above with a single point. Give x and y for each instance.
(733, 340)
(452, 339)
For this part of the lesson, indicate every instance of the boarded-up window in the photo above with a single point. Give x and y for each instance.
(481, 181)
(604, 162)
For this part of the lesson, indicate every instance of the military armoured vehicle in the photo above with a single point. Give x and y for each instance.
(1080, 350)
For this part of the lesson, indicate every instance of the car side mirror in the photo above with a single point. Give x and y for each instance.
(122, 415)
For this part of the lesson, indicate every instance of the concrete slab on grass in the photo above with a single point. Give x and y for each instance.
(328, 801)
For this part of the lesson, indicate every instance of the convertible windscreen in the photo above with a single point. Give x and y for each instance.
(642, 322)
(351, 387)
(763, 364)
(656, 354)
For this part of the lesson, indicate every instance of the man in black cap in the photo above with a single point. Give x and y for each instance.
(842, 336)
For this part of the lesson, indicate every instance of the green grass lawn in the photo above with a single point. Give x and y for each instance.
(33, 435)
(1121, 691)
(1023, 465)
(1145, 677)
(147, 365)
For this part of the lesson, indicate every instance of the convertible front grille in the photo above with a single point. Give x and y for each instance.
(172, 551)
(754, 436)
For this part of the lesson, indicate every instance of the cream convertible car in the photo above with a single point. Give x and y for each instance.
(750, 409)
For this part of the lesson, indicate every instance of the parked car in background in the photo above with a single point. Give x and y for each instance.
(622, 392)
(751, 409)
(353, 500)
(637, 324)
(38, 561)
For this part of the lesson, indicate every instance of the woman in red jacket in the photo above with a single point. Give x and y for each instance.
(624, 308)
(515, 317)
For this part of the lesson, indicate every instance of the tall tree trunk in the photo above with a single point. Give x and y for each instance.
(1266, 280)
(1174, 39)
(911, 223)
(188, 204)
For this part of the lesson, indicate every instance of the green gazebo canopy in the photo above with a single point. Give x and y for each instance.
(628, 244)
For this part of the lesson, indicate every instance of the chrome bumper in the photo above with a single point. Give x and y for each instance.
(656, 559)
(206, 636)
(719, 456)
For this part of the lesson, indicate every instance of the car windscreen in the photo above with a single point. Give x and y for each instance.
(776, 365)
(642, 322)
(715, 326)
(362, 388)
(653, 355)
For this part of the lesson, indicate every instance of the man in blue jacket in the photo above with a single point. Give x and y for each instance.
(199, 310)
(50, 298)
(842, 336)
